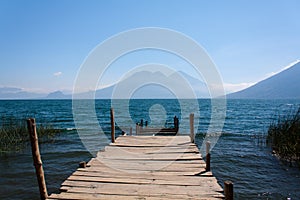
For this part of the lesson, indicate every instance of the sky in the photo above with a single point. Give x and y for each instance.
(44, 43)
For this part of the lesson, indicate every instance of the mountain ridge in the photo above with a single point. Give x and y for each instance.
(283, 85)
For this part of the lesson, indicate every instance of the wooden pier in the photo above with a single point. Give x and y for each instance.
(139, 167)
(143, 167)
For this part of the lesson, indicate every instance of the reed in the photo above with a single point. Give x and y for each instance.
(284, 137)
(14, 134)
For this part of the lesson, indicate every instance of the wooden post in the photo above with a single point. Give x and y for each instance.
(112, 124)
(130, 131)
(192, 134)
(207, 156)
(82, 164)
(176, 124)
(228, 190)
(142, 123)
(37, 161)
(174, 121)
(137, 128)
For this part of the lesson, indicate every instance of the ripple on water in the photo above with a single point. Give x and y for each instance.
(237, 156)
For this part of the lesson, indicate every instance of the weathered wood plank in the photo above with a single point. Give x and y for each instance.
(158, 157)
(154, 172)
(203, 181)
(159, 141)
(95, 161)
(140, 167)
(173, 180)
(79, 196)
(112, 172)
(136, 189)
(153, 150)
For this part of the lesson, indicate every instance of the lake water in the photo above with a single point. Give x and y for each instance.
(238, 155)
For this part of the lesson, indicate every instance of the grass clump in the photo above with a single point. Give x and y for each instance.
(14, 134)
(284, 137)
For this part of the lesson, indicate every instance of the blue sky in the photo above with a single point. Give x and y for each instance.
(43, 43)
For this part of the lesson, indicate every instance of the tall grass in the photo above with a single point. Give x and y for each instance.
(14, 134)
(284, 136)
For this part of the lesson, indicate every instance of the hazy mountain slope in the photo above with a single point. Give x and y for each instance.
(154, 89)
(284, 85)
(18, 93)
(58, 95)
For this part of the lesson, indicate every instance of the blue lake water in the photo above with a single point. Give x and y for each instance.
(238, 156)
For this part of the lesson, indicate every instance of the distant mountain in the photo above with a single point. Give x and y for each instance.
(58, 95)
(183, 83)
(198, 85)
(17, 93)
(158, 85)
(284, 85)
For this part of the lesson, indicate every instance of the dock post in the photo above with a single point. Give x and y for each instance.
(130, 131)
(112, 124)
(228, 190)
(176, 124)
(37, 161)
(192, 134)
(82, 164)
(137, 126)
(207, 156)
(142, 123)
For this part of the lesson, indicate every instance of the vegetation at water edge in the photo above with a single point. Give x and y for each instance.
(14, 135)
(284, 137)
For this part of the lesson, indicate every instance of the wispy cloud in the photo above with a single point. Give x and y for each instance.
(234, 87)
(57, 74)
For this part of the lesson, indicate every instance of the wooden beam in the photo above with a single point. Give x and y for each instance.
(207, 156)
(228, 190)
(192, 134)
(112, 124)
(37, 161)
(137, 129)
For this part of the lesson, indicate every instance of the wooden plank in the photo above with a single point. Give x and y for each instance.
(150, 140)
(156, 165)
(158, 140)
(149, 166)
(137, 189)
(166, 180)
(115, 172)
(192, 162)
(154, 172)
(158, 157)
(140, 150)
(174, 180)
(183, 161)
(145, 145)
(79, 196)
(153, 150)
